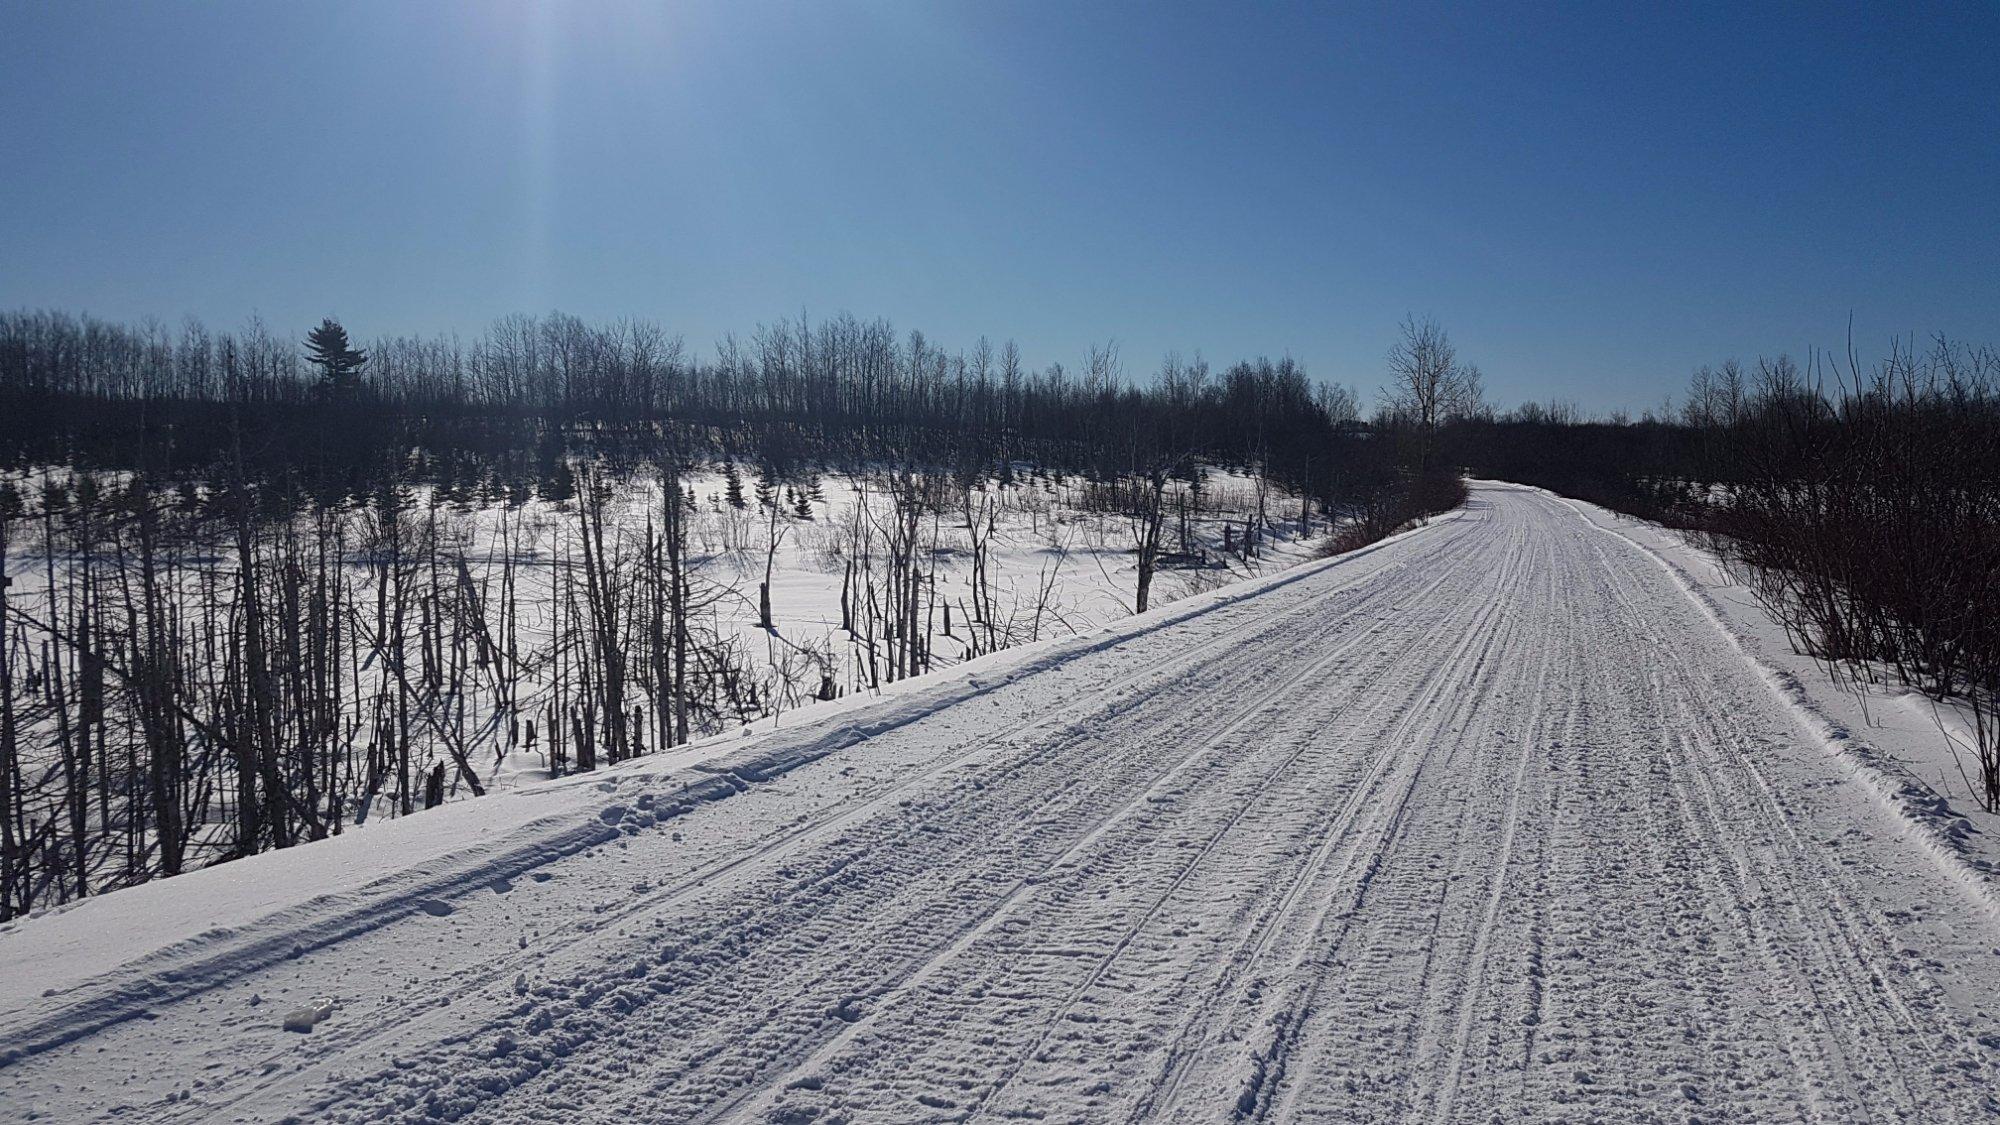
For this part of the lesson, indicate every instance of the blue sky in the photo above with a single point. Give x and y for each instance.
(1592, 200)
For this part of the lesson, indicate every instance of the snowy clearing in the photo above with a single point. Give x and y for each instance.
(1495, 820)
(440, 645)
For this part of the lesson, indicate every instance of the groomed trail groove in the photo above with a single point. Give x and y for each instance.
(1490, 824)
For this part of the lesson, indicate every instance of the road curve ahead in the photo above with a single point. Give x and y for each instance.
(1489, 824)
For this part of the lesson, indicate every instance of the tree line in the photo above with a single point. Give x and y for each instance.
(180, 401)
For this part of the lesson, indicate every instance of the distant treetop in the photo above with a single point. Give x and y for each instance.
(339, 364)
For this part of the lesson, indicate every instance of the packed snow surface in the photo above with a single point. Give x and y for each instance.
(1494, 821)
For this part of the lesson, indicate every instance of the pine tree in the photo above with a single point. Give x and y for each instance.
(733, 486)
(558, 483)
(339, 365)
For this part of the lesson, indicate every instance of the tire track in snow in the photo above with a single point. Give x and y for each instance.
(1843, 959)
(846, 1036)
(1474, 975)
(1042, 1018)
(1277, 1083)
(1102, 702)
(1397, 598)
(822, 1021)
(1181, 1054)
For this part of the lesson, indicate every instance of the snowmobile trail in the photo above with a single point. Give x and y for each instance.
(1489, 823)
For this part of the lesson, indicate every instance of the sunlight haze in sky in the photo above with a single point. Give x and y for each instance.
(1591, 201)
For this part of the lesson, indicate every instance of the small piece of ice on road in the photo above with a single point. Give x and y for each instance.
(305, 1019)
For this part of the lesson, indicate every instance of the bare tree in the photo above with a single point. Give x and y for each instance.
(1146, 508)
(1427, 384)
(1341, 404)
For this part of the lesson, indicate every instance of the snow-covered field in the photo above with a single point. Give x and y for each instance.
(476, 633)
(1517, 815)
(1051, 568)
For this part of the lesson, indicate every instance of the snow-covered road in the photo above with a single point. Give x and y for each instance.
(1490, 823)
